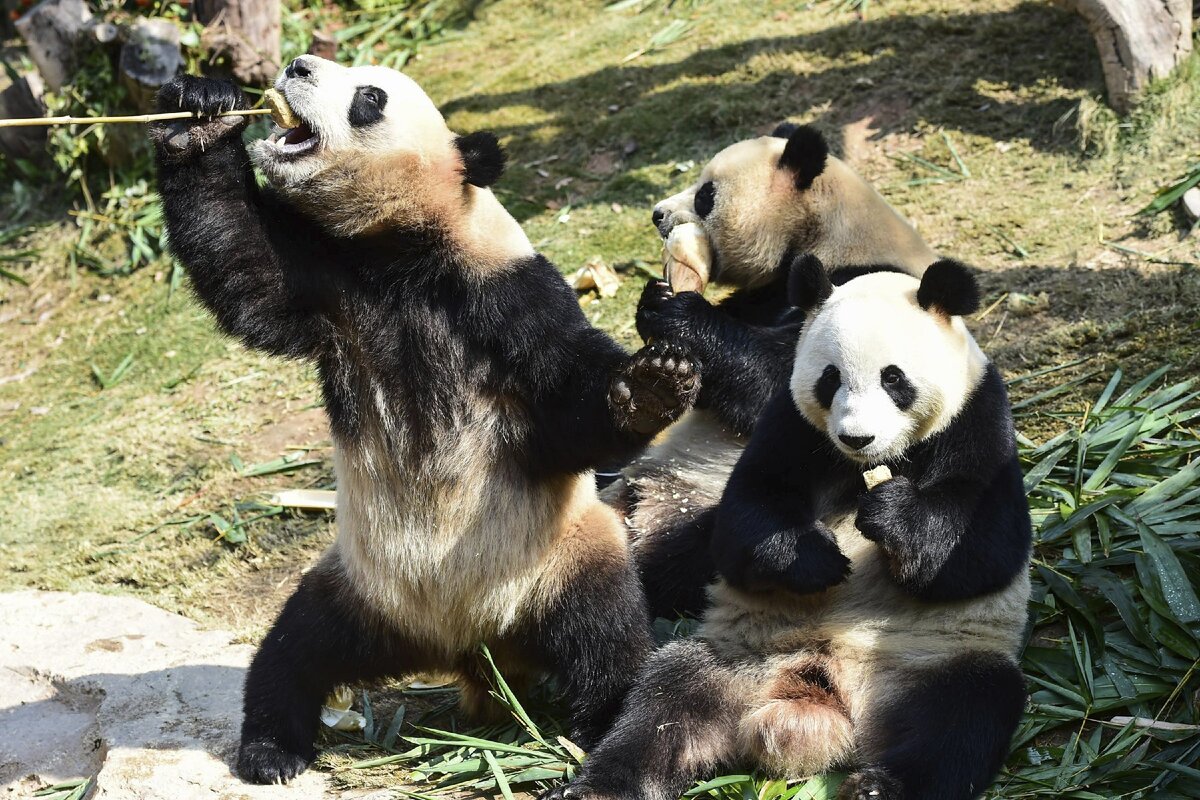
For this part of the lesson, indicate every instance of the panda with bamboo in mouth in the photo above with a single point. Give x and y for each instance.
(468, 399)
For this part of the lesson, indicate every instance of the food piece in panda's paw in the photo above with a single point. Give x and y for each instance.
(687, 258)
(874, 477)
(281, 112)
(337, 714)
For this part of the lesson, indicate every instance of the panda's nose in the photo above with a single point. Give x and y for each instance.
(297, 69)
(658, 216)
(856, 442)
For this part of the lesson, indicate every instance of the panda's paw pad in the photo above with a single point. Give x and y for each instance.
(870, 784)
(659, 383)
(266, 762)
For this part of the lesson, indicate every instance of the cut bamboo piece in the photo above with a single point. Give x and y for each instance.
(31, 122)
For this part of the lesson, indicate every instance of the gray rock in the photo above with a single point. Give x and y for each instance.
(144, 701)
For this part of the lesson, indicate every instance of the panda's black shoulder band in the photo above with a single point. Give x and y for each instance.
(483, 158)
(948, 287)
(808, 283)
(805, 154)
(784, 129)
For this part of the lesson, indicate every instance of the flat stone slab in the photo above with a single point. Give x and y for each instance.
(144, 701)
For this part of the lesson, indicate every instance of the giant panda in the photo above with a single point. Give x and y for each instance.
(873, 630)
(762, 204)
(468, 400)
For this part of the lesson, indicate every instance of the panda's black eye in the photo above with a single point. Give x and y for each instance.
(705, 199)
(898, 387)
(827, 386)
(367, 106)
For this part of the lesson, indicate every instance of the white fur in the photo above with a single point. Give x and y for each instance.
(870, 323)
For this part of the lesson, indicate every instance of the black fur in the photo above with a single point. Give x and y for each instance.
(676, 566)
(705, 200)
(949, 287)
(396, 314)
(827, 386)
(784, 129)
(483, 158)
(953, 519)
(945, 737)
(366, 107)
(804, 155)
(808, 283)
(898, 386)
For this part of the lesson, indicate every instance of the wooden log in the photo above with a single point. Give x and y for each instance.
(1138, 40)
(243, 35)
(52, 31)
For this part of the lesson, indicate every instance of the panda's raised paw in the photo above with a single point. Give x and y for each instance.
(870, 784)
(265, 762)
(206, 97)
(658, 384)
(886, 509)
(663, 314)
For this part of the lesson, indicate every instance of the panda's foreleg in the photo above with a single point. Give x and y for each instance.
(943, 735)
(675, 564)
(225, 231)
(319, 641)
(678, 723)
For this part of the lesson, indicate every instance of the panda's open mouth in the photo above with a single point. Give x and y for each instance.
(295, 141)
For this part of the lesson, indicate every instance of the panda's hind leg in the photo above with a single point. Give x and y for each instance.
(678, 723)
(321, 639)
(943, 736)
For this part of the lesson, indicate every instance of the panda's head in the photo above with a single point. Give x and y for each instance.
(884, 360)
(756, 200)
(371, 149)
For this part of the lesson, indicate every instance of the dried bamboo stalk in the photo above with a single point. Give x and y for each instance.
(29, 122)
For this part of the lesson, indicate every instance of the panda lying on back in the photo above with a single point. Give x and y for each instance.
(467, 395)
(874, 630)
(761, 204)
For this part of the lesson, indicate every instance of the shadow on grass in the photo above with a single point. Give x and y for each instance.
(987, 74)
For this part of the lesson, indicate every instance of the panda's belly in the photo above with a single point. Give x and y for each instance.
(684, 473)
(867, 619)
(448, 546)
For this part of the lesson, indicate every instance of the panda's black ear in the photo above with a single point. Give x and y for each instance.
(804, 155)
(784, 129)
(483, 158)
(808, 283)
(949, 288)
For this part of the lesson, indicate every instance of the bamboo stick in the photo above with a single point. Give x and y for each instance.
(30, 122)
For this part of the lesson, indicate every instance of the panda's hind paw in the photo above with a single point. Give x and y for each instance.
(657, 385)
(266, 762)
(870, 784)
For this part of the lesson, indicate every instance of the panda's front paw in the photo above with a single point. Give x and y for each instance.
(884, 512)
(265, 762)
(576, 790)
(663, 314)
(803, 562)
(205, 97)
(658, 384)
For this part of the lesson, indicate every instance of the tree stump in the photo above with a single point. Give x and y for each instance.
(244, 34)
(52, 31)
(149, 58)
(23, 98)
(1138, 40)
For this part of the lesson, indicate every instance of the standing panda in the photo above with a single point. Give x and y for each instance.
(468, 400)
(875, 630)
(761, 204)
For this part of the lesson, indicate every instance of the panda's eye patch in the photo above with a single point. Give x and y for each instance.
(705, 199)
(827, 386)
(367, 106)
(898, 387)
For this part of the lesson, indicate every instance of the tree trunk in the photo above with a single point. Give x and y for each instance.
(1138, 40)
(243, 35)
